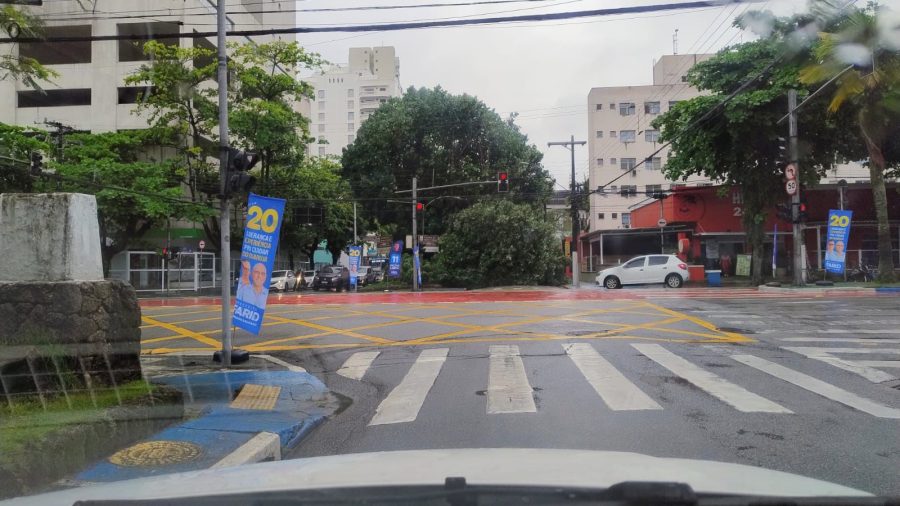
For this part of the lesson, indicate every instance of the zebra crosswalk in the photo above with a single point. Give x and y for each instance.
(618, 388)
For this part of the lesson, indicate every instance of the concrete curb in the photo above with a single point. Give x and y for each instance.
(263, 447)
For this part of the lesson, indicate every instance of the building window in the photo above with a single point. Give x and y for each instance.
(349, 104)
(601, 216)
(321, 128)
(612, 107)
(600, 162)
(654, 163)
(615, 215)
(612, 134)
(350, 116)
(627, 163)
(599, 134)
(321, 106)
(133, 94)
(54, 98)
(321, 116)
(350, 127)
(626, 109)
(653, 188)
(651, 135)
(351, 138)
(612, 161)
(626, 220)
(684, 79)
(349, 92)
(627, 136)
(651, 107)
(599, 107)
(59, 53)
(382, 89)
(672, 103)
(628, 189)
(321, 150)
(320, 95)
(133, 50)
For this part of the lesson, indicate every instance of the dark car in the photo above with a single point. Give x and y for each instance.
(366, 275)
(330, 277)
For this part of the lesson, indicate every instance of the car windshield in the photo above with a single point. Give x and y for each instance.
(479, 241)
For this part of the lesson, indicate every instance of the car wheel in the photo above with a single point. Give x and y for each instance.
(674, 281)
(612, 282)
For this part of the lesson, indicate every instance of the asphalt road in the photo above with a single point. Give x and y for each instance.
(803, 385)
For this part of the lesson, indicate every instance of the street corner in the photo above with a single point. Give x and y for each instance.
(237, 410)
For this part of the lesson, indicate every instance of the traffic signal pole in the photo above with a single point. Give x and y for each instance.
(798, 257)
(224, 218)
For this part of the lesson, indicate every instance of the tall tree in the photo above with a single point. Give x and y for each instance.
(441, 139)
(16, 145)
(870, 92)
(19, 23)
(737, 143)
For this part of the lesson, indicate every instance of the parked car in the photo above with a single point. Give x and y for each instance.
(378, 274)
(366, 275)
(667, 269)
(304, 279)
(282, 281)
(329, 277)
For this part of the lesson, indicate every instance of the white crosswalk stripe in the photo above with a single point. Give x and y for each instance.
(405, 401)
(738, 397)
(508, 388)
(825, 354)
(356, 366)
(819, 387)
(614, 388)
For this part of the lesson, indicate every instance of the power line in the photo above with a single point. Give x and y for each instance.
(387, 27)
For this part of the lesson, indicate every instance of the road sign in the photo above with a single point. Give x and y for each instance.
(661, 223)
(790, 172)
(790, 186)
(202, 244)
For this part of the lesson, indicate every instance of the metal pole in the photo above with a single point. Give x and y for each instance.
(415, 239)
(576, 268)
(355, 238)
(795, 198)
(224, 218)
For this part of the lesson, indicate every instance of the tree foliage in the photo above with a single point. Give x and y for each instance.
(16, 145)
(24, 69)
(498, 242)
(737, 143)
(440, 139)
(870, 93)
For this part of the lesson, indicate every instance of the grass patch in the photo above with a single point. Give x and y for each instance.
(27, 420)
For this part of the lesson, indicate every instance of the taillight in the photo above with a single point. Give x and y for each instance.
(682, 267)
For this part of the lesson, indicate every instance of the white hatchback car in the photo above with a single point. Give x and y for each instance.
(667, 269)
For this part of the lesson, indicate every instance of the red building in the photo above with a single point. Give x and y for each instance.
(704, 226)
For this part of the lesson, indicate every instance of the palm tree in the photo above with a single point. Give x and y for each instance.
(862, 51)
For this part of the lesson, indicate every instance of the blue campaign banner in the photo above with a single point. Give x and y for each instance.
(264, 216)
(417, 265)
(836, 240)
(395, 261)
(355, 254)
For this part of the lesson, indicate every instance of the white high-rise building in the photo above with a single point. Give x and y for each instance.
(620, 137)
(90, 93)
(345, 96)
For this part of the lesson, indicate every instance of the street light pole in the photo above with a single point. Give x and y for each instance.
(224, 218)
(576, 268)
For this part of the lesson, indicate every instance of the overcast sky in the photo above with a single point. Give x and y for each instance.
(545, 70)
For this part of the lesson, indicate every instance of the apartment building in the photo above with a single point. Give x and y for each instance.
(90, 94)
(346, 95)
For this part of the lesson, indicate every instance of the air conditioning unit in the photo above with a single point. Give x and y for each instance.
(633, 172)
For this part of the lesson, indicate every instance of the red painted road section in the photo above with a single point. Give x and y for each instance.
(507, 296)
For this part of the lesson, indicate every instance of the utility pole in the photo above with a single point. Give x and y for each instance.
(224, 218)
(799, 273)
(355, 238)
(415, 239)
(576, 267)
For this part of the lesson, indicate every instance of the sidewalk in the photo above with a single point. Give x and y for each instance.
(244, 416)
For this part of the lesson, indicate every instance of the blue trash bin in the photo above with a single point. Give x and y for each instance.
(714, 278)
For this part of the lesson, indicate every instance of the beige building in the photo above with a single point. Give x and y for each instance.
(345, 96)
(90, 93)
(620, 138)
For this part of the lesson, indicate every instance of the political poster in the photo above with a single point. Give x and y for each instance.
(355, 254)
(417, 265)
(261, 232)
(395, 259)
(836, 240)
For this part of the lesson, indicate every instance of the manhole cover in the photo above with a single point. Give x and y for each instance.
(155, 453)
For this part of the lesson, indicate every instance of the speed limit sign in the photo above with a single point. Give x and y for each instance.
(790, 186)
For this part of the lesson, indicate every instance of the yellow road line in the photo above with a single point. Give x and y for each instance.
(703, 323)
(183, 331)
(328, 329)
(164, 351)
(161, 339)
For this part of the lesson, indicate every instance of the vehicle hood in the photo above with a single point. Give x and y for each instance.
(512, 467)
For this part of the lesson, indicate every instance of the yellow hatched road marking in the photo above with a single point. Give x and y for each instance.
(183, 331)
(332, 329)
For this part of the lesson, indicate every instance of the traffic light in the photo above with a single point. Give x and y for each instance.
(784, 212)
(171, 252)
(420, 206)
(37, 163)
(801, 211)
(502, 182)
(239, 164)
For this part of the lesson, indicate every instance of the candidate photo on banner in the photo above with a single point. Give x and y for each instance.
(261, 231)
(836, 240)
